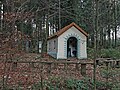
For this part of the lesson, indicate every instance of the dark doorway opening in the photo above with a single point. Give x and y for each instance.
(72, 47)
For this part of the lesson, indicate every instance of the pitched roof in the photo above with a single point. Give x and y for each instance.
(57, 34)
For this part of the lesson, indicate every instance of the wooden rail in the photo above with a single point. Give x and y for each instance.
(50, 62)
(108, 62)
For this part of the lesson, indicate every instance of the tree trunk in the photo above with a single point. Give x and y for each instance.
(115, 23)
(95, 41)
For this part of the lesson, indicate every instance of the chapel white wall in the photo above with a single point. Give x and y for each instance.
(61, 38)
(52, 47)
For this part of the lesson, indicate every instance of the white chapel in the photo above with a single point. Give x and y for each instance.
(70, 41)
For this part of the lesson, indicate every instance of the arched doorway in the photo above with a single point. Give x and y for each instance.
(72, 47)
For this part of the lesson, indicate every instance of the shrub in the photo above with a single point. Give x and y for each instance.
(105, 53)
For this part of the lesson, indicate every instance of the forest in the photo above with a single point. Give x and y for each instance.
(25, 26)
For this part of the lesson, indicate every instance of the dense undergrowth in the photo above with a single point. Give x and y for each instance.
(113, 53)
(58, 83)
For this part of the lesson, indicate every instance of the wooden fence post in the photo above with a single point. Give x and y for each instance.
(65, 67)
(14, 65)
(41, 75)
(117, 64)
(83, 69)
(55, 65)
(97, 62)
(31, 64)
(49, 68)
(77, 66)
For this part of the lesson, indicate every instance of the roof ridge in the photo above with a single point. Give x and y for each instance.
(61, 31)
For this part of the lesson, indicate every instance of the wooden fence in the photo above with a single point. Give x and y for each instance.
(41, 67)
(52, 65)
(108, 62)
